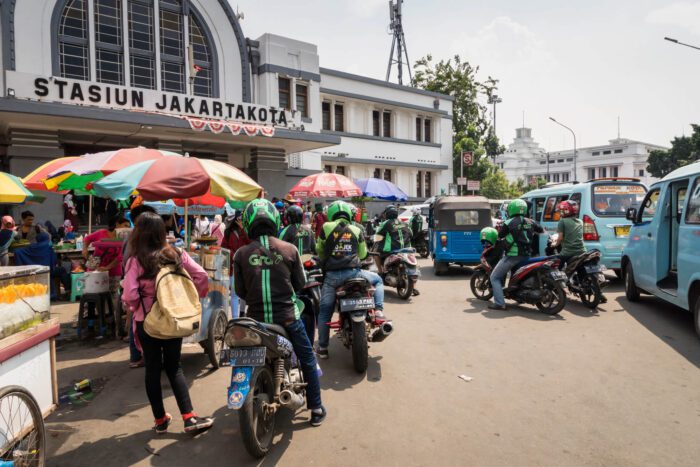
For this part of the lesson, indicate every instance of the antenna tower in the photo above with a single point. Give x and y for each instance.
(398, 43)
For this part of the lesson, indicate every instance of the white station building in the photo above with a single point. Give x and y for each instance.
(82, 76)
(525, 159)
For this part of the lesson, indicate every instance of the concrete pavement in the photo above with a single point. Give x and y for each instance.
(617, 386)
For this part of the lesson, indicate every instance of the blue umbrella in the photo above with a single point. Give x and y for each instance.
(381, 189)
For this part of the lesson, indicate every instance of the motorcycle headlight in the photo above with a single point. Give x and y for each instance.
(239, 336)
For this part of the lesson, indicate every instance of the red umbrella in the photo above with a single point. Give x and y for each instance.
(325, 185)
(35, 180)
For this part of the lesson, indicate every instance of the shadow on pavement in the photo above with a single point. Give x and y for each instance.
(669, 323)
(480, 306)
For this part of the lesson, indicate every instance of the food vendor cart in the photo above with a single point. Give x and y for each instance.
(27, 345)
(215, 306)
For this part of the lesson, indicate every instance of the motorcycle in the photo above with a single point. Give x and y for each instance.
(537, 281)
(265, 377)
(401, 271)
(357, 324)
(585, 275)
(310, 295)
(420, 243)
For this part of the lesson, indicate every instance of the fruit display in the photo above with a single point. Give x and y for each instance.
(24, 298)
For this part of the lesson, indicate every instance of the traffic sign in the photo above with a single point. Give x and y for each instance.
(474, 185)
(468, 157)
(461, 181)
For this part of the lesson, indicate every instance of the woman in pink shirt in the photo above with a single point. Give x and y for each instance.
(149, 250)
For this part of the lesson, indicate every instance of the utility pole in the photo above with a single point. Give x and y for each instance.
(398, 43)
(575, 154)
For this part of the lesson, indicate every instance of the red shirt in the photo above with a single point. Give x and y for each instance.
(233, 242)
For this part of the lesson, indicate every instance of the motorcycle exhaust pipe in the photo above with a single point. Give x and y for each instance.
(382, 332)
(291, 400)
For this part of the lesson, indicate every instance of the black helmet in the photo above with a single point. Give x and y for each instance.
(294, 214)
(391, 212)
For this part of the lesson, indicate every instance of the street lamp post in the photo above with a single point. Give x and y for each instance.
(574, 135)
(547, 167)
(676, 41)
(494, 99)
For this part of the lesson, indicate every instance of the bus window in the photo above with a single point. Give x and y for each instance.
(550, 211)
(539, 207)
(692, 216)
(613, 199)
(576, 198)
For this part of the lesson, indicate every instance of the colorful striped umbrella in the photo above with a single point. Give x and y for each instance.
(13, 191)
(197, 181)
(325, 185)
(35, 180)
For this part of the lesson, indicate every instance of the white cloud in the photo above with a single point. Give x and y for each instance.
(368, 8)
(681, 14)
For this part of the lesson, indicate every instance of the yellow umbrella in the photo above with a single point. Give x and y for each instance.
(12, 191)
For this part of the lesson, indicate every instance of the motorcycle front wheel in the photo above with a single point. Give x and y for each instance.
(404, 285)
(360, 353)
(553, 298)
(590, 293)
(257, 426)
(481, 285)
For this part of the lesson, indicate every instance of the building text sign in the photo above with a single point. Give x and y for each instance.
(87, 93)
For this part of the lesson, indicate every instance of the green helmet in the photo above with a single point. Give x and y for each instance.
(339, 209)
(489, 234)
(517, 207)
(260, 211)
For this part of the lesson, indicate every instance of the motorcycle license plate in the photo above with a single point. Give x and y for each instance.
(242, 356)
(595, 269)
(622, 231)
(558, 275)
(354, 304)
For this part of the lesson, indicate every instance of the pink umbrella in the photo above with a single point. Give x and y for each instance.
(325, 185)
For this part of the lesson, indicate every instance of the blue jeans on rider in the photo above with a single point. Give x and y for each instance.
(499, 274)
(333, 280)
(305, 353)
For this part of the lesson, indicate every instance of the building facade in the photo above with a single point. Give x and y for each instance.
(621, 157)
(81, 76)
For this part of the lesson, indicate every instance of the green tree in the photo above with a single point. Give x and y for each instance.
(684, 150)
(470, 123)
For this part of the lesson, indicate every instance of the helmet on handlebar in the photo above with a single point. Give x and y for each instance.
(391, 212)
(294, 214)
(567, 208)
(489, 234)
(258, 213)
(517, 207)
(338, 210)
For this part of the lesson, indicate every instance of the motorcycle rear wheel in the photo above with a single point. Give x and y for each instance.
(360, 353)
(423, 250)
(590, 293)
(404, 286)
(554, 298)
(257, 429)
(480, 285)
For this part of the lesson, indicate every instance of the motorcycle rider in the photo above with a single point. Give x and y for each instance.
(517, 232)
(416, 224)
(296, 233)
(267, 274)
(341, 247)
(391, 236)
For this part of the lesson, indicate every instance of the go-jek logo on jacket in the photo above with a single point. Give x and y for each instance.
(259, 260)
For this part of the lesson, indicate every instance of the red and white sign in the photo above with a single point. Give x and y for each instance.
(474, 185)
(468, 157)
(197, 124)
(216, 127)
(235, 128)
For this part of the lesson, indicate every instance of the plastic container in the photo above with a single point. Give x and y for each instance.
(24, 298)
(94, 282)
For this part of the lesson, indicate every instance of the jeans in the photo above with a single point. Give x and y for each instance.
(499, 273)
(333, 280)
(134, 354)
(163, 354)
(305, 354)
(237, 303)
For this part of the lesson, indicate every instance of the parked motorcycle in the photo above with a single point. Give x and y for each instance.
(265, 377)
(537, 281)
(357, 324)
(401, 271)
(585, 275)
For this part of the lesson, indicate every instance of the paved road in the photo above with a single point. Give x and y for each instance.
(618, 386)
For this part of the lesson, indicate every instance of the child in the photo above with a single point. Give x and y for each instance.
(493, 249)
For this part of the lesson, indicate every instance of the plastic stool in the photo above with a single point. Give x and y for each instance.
(99, 299)
(76, 286)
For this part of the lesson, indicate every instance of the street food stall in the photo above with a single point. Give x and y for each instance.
(27, 347)
(215, 306)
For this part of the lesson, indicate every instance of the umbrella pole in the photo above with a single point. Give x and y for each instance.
(90, 216)
(187, 225)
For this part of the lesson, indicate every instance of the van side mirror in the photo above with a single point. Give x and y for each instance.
(631, 214)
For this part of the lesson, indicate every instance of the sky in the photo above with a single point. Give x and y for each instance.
(585, 63)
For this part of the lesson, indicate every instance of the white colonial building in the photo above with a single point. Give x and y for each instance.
(621, 157)
(81, 76)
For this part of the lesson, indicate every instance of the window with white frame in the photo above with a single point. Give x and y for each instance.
(326, 115)
(125, 50)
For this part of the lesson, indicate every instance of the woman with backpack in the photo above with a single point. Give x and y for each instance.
(149, 252)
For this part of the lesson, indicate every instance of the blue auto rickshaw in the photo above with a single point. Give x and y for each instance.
(454, 224)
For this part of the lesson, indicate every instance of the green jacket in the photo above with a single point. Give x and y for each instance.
(341, 245)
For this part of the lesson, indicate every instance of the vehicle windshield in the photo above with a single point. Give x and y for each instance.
(613, 199)
(466, 218)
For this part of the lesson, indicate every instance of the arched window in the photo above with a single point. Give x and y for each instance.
(73, 40)
(127, 50)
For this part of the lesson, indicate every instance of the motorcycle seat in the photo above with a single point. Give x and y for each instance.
(530, 261)
(275, 328)
(350, 283)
